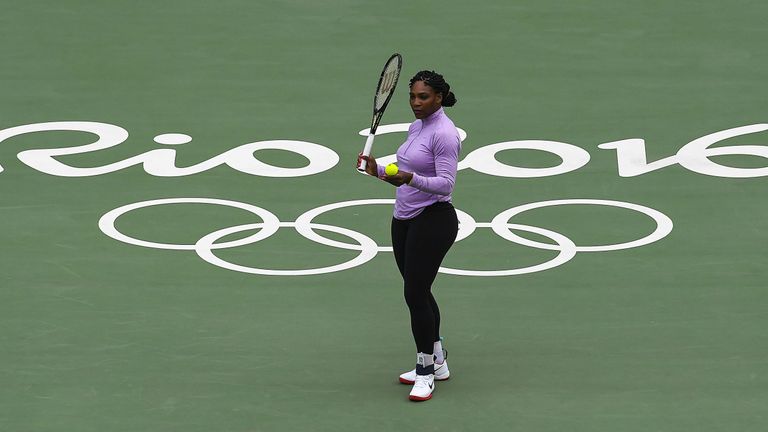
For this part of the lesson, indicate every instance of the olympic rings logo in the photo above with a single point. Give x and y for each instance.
(367, 247)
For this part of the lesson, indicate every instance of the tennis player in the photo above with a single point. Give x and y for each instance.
(424, 225)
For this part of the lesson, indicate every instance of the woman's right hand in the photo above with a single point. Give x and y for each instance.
(370, 167)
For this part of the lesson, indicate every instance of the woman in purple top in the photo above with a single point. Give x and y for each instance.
(424, 225)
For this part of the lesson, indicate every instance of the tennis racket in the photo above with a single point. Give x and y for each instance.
(384, 91)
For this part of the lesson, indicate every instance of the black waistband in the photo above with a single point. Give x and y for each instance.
(440, 205)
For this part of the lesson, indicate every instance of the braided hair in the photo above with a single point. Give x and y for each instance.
(438, 84)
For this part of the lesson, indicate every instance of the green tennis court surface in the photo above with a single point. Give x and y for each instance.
(99, 334)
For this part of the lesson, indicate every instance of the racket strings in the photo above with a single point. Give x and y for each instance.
(387, 83)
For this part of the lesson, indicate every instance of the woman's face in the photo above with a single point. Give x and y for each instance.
(424, 100)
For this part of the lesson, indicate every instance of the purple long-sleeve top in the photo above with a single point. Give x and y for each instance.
(431, 153)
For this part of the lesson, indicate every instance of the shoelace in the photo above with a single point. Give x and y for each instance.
(422, 381)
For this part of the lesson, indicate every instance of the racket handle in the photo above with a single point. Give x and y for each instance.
(366, 152)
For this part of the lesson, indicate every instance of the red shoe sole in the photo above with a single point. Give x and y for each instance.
(420, 399)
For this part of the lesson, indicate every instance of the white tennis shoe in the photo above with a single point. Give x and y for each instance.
(441, 374)
(423, 387)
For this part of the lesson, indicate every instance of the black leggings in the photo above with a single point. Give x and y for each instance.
(420, 244)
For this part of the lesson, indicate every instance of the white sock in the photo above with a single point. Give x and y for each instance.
(425, 359)
(438, 350)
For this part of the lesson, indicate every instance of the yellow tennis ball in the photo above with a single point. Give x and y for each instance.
(391, 169)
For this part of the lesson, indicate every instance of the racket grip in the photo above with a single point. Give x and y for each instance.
(366, 152)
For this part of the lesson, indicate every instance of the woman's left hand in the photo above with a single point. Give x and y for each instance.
(399, 179)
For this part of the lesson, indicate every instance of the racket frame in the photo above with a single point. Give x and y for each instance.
(378, 113)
